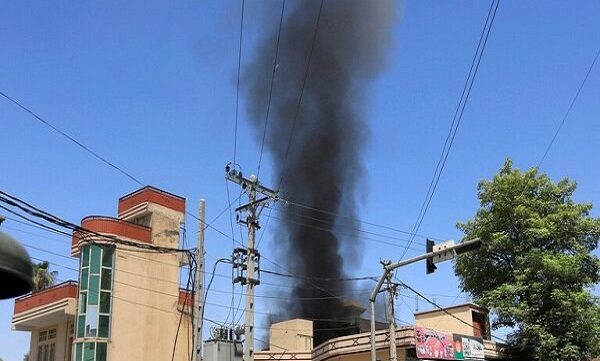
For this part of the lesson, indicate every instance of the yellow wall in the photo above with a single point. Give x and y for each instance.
(145, 302)
(440, 320)
(61, 342)
(292, 335)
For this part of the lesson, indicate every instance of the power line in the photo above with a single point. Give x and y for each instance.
(83, 233)
(365, 278)
(458, 114)
(350, 233)
(306, 72)
(445, 310)
(237, 92)
(569, 108)
(338, 215)
(262, 146)
(81, 145)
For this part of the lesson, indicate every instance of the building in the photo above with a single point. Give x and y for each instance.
(127, 304)
(454, 340)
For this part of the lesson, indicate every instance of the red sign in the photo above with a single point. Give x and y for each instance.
(433, 344)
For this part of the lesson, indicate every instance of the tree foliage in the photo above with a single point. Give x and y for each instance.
(536, 267)
(42, 276)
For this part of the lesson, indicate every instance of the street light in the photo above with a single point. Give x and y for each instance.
(16, 272)
(439, 253)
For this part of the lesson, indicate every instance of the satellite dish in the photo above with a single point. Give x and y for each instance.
(16, 272)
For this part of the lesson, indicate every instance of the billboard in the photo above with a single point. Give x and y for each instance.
(468, 347)
(433, 344)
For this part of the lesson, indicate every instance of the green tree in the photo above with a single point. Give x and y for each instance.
(536, 269)
(42, 276)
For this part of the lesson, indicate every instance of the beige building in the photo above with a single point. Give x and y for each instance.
(127, 304)
(466, 319)
(292, 340)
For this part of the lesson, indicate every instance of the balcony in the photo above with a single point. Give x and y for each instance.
(46, 308)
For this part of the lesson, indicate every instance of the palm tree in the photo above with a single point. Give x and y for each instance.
(42, 277)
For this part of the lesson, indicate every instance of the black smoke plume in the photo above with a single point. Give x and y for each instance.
(317, 143)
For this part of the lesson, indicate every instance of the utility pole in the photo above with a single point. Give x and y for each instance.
(441, 253)
(249, 259)
(199, 292)
(391, 288)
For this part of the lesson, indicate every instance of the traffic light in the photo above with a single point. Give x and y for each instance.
(429, 262)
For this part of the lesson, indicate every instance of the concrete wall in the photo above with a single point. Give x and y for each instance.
(145, 313)
(439, 320)
(62, 344)
(292, 335)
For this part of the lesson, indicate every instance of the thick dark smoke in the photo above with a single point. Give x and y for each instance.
(322, 166)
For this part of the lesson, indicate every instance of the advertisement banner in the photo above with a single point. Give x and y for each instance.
(468, 347)
(433, 344)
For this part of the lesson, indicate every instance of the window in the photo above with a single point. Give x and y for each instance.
(46, 350)
(96, 282)
(91, 351)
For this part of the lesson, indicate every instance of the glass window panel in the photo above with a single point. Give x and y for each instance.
(78, 351)
(95, 259)
(46, 352)
(106, 279)
(107, 256)
(43, 335)
(82, 302)
(39, 353)
(83, 282)
(103, 325)
(52, 355)
(94, 290)
(85, 256)
(88, 351)
(81, 326)
(100, 351)
(104, 302)
(51, 334)
(91, 321)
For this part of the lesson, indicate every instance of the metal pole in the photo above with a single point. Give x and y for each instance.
(249, 324)
(199, 292)
(466, 245)
(391, 291)
(372, 301)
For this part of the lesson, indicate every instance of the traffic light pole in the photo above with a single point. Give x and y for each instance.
(387, 268)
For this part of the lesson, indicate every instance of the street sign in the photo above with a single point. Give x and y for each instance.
(445, 255)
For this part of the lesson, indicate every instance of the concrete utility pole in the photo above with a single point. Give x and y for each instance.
(443, 252)
(391, 288)
(199, 292)
(249, 259)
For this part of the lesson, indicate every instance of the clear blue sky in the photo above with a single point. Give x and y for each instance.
(150, 86)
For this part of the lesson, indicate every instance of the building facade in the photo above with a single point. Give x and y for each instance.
(127, 303)
(455, 333)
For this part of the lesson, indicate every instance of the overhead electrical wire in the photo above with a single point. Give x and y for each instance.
(301, 97)
(585, 78)
(365, 278)
(338, 215)
(352, 233)
(445, 310)
(84, 232)
(64, 134)
(88, 150)
(169, 281)
(189, 285)
(458, 114)
(237, 92)
(262, 146)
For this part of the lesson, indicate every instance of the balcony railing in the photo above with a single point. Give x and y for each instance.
(49, 305)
